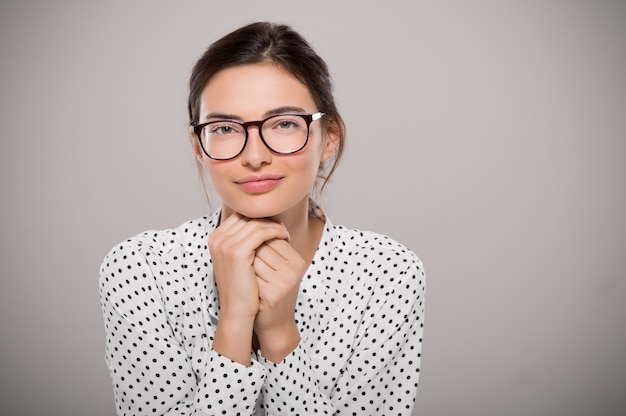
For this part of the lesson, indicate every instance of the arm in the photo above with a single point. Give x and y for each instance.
(234, 246)
(149, 361)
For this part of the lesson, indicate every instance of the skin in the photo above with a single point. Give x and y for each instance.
(265, 240)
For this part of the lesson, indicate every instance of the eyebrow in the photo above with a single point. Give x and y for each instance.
(276, 111)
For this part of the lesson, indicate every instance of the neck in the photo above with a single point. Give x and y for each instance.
(305, 230)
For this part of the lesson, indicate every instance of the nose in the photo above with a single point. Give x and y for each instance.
(256, 153)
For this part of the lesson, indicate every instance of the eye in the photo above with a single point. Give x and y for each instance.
(223, 129)
(287, 123)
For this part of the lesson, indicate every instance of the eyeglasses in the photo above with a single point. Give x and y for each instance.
(283, 134)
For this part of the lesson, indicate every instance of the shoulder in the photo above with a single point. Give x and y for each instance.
(157, 246)
(376, 254)
(370, 244)
(163, 241)
(371, 274)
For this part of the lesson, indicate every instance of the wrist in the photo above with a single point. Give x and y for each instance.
(278, 343)
(233, 340)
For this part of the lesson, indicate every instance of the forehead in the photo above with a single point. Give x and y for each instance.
(250, 90)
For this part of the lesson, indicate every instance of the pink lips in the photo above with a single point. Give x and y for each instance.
(260, 183)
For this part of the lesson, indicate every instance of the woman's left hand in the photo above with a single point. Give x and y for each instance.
(279, 269)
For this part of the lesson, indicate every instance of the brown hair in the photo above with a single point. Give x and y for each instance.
(278, 44)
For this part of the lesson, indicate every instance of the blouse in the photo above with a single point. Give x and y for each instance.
(360, 312)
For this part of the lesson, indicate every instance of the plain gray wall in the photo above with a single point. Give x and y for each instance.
(488, 136)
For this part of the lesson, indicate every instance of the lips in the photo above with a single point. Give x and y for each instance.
(259, 183)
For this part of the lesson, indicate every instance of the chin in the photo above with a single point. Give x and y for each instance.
(258, 215)
(257, 212)
(269, 205)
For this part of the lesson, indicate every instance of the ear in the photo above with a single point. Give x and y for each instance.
(331, 144)
(195, 143)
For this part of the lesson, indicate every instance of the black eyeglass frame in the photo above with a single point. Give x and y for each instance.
(308, 118)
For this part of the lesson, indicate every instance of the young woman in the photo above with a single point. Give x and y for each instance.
(264, 307)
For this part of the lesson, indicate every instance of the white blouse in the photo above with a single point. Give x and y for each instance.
(360, 313)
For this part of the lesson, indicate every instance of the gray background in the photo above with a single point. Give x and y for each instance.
(488, 136)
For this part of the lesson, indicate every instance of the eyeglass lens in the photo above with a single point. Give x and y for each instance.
(282, 134)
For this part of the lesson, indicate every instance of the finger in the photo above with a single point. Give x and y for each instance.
(257, 233)
(275, 260)
(236, 223)
(232, 224)
(262, 270)
(269, 254)
(244, 235)
(282, 224)
(278, 247)
(225, 238)
(274, 266)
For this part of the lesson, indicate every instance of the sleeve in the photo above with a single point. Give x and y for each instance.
(291, 387)
(151, 371)
(381, 375)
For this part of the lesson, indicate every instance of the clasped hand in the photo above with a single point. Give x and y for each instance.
(258, 274)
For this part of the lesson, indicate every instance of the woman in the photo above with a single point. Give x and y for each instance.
(265, 307)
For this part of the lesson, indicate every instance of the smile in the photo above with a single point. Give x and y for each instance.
(259, 184)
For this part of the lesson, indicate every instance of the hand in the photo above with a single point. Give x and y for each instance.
(233, 248)
(279, 269)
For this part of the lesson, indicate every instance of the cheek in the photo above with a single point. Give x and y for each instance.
(217, 173)
(307, 165)
(304, 167)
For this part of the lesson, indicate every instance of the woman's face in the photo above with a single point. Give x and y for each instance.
(259, 183)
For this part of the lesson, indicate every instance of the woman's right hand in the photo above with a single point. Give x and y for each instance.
(233, 246)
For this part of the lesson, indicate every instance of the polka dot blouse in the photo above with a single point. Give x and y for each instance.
(360, 312)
